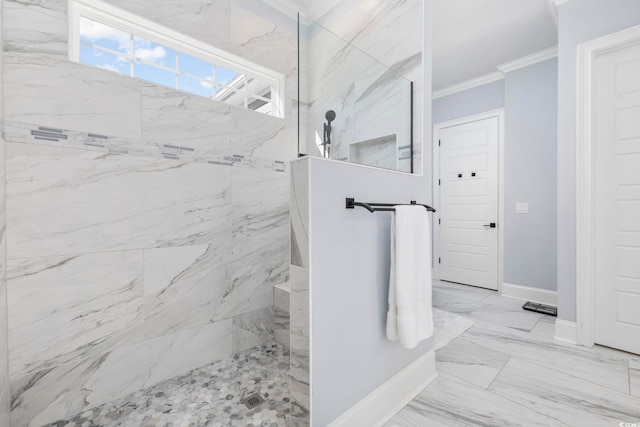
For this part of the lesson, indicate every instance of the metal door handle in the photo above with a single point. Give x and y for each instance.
(490, 225)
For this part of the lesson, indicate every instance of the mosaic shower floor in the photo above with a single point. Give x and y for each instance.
(208, 396)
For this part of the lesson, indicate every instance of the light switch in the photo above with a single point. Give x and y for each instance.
(522, 208)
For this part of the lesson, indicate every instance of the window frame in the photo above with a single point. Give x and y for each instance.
(130, 23)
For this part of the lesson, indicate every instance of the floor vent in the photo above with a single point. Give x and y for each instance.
(253, 400)
(541, 308)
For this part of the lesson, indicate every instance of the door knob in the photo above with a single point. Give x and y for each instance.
(490, 225)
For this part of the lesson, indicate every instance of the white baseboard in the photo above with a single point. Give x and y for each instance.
(388, 399)
(566, 331)
(526, 293)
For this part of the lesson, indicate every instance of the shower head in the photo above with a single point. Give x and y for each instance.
(330, 116)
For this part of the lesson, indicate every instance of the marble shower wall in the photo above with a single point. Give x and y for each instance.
(146, 227)
(4, 356)
(281, 307)
(343, 78)
(4, 369)
(370, 100)
(300, 316)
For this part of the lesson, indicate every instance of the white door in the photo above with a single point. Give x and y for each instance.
(616, 198)
(469, 203)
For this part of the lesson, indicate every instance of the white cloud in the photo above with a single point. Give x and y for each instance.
(207, 85)
(95, 31)
(143, 49)
(109, 67)
(150, 54)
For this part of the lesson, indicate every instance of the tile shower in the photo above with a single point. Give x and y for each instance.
(146, 227)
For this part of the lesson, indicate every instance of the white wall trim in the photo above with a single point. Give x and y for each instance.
(507, 67)
(528, 60)
(499, 113)
(527, 293)
(584, 179)
(388, 399)
(565, 331)
(469, 84)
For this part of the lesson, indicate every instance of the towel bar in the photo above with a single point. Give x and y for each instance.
(382, 207)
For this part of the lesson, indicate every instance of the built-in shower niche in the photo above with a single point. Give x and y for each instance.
(352, 107)
(380, 152)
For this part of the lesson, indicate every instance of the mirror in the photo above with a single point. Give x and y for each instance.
(351, 107)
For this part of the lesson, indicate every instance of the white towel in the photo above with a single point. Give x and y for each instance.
(410, 316)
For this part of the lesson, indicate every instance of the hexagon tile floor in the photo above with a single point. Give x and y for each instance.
(208, 396)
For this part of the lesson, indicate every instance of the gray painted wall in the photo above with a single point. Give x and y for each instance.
(471, 101)
(579, 22)
(529, 98)
(530, 175)
(349, 271)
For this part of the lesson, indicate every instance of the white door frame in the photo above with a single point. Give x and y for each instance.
(585, 308)
(499, 113)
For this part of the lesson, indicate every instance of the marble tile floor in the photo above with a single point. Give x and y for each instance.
(207, 396)
(507, 370)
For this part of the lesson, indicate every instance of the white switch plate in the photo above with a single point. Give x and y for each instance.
(522, 208)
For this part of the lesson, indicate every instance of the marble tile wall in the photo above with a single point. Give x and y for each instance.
(281, 309)
(51, 394)
(60, 199)
(380, 152)
(367, 25)
(370, 102)
(299, 297)
(634, 377)
(66, 308)
(146, 227)
(4, 369)
(205, 20)
(356, 97)
(300, 337)
(299, 214)
(178, 118)
(382, 107)
(253, 329)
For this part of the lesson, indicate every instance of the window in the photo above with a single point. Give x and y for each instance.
(112, 39)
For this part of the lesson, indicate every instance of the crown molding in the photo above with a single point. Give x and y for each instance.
(469, 84)
(507, 67)
(525, 61)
